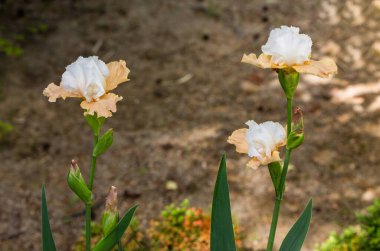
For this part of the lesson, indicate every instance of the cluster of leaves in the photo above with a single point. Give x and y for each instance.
(181, 228)
(16, 32)
(11, 45)
(9, 48)
(132, 240)
(364, 237)
(104, 243)
(5, 129)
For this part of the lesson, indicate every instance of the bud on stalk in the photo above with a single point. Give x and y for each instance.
(296, 136)
(77, 183)
(110, 214)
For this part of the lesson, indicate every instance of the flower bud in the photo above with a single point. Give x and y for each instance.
(296, 136)
(110, 214)
(77, 183)
(289, 81)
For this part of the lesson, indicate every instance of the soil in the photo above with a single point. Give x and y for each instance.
(188, 92)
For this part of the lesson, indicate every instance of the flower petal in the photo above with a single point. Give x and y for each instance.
(118, 73)
(103, 107)
(238, 138)
(322, 68)
(53, 91)
(273, 158)
(263, 61)
(255, 163)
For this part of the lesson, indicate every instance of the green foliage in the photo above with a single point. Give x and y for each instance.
(109, 241)
(38, 28)
(78, 185)
(180, 228)
(104, 143)
(275, 170)
(109, 221)
(294, 239)
(9, 48)
(48, 243)
(95, 123)
(132, 240)
(222, 233)
(5, 129)
(212, 9)
(364, 237)
(14, 31)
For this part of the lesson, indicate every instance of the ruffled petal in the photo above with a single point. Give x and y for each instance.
(238, 138)
(263, 61)
(104, 107)
(118, 73)
(322, 68)
(255, 162)
(53, 91)
(273, 158)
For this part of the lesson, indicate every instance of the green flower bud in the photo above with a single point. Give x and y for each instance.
(110, 216)
(289, 81)
(296, 136)
(77, 183)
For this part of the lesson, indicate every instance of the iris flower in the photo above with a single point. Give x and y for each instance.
(91, 80)
(261, 142)
(287, 49)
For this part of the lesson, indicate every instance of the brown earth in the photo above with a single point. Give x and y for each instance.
(188, 92)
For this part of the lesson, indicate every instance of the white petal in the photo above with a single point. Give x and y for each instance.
(263, 139)
(287, 46)
(86, 76)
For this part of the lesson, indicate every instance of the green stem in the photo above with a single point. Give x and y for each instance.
(88, 227)
(93, 165)
(89, 206)
(277, 205)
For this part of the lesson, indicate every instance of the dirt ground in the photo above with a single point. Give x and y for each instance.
(188, 92)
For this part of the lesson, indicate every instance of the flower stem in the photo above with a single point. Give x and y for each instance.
(277, 205)
(88, 206)
(93, 165)
(88, 227)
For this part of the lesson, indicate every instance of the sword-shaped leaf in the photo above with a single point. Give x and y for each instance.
(110, 240)
(222, 232)
(297, 234)
(48, 243)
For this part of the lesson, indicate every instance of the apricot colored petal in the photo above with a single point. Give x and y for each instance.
(263, 61)
(104, 107)
(53, 91)
(118, 73)
(255, 163)
(238, 138)
(322, 68)
(273, 158)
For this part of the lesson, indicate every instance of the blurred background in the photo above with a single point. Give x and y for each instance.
(188, 92)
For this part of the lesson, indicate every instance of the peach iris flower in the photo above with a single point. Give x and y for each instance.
(91, 80)
(287, 49)
(260, 142)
